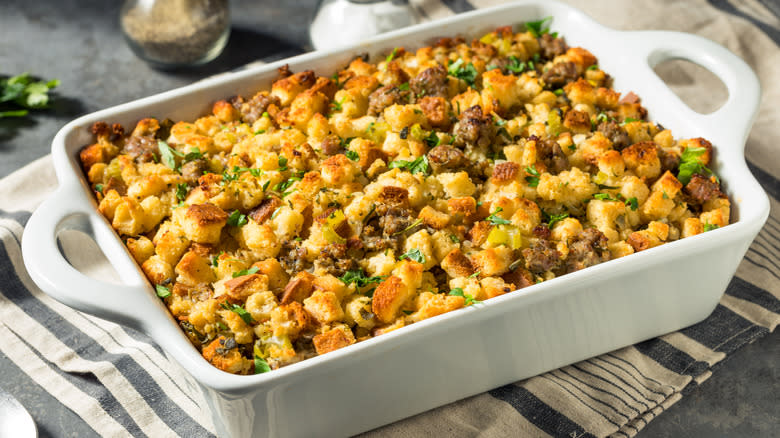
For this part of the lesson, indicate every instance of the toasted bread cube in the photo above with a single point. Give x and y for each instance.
(129, 217)
(655, 234)
(430, 305)
(333, 340)
(456, 264)
(260, 305)
(141, 248)
(223, 353)
(643, 159)
(389, 296)
(158, 270)
(691, 227)
(401, 116)
(456, 185)
(433, 218)
(201, 223)
(358, 312)
(289, 320)
(286, 89)
(242, 331)
(271, 268)
(338, 170)
(238, 289)
(299, 288)
(492, 261)
(261, 239)
(329, 283)
(324, 307)
(193, 269)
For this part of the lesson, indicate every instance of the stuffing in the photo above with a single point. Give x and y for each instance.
(323, 211)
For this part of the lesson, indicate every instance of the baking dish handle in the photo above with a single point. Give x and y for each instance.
(133, 304)
(731, 123)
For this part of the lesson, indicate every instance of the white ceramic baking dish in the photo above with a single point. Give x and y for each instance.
(461, 353)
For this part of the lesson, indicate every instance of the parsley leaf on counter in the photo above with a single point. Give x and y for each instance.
(22, 91)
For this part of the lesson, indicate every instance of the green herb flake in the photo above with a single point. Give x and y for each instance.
(593, 67)
(99, 188)
(250, 271)
(413, 254)
(539, 27)
(261, 366)
(558, 92)
(458, 292)
(454, 238)
(515, 65)
(604, 197)
(181, 191)
(532, 180)
(475, 275)
(690, 165)
(572, 147)
(239, 310)
(628, 120)
(352, 155)
(467, 73)
(418, 165)
(162, 291)
(404, 86)
(432, 140)
(167, 154)
(497, 220)
(407, 312)
(710, 227)
(237, 219)
(632, 203)
(553, 219)
(282, 163)
(266, 184)
(360, 279)
(260, 131)
(392, 55)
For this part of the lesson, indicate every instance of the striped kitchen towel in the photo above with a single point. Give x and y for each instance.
(121, 384)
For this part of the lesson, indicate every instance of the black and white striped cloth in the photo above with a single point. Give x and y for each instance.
(121, 384)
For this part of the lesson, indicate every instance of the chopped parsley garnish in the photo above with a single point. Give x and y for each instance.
(260, 131)
(515, 65)
(20, 93)
(167, 154)
(467, 73)
(558, 92)
(710, 227)
(407, 312)
(593, 67)
(497, 220)
(432, 140)
(632, 203)
(454, 238)
(261, 366)
(628, 120)
(418, 165)
(345, 142)
(215, 259)
(360, 279)
(475, 275)
(352, 155)
(413, 254)
(602, 117)
(181, 191)
(572, 147)
(239, 309)
(458, 292)
(282, 163)
(250, 271)
(99, 188)
(412, 225)
(553, 219)
(162, 291)
(265, 185)
(605, 197)
(392, 55)
(539, 27)
(532, 180)
(336, 104)
(689, 164)
(284, 185)
(404, 86)
(237, 219)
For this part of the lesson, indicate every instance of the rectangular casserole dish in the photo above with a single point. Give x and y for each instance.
(508, 338)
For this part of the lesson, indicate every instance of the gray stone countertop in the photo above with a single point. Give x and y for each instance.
(79, 42)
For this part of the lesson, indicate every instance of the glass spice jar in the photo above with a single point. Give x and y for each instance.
(176, 33)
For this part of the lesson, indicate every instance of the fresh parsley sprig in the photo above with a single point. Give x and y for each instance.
(240, 311)
(467, 73)
(360, 279)
(690, 164)
(497, 220)
(539, 27)
(458, 292)
(532, 180)
(21, 93)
